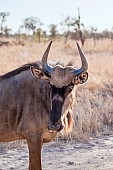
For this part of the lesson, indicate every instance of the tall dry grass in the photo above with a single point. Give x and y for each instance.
(93, 110)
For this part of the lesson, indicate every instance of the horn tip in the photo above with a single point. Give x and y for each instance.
(77, 44)
(50, 42)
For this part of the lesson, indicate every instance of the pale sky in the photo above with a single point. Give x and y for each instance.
(96, 13)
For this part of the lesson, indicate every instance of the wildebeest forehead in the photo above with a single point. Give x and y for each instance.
(61, 76)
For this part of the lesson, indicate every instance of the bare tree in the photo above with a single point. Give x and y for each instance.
(31, 23)
(39, 33)
(53, 31)
(93, 34)
(79, 27)
(3, 16)
(7, 31)
(67, 27)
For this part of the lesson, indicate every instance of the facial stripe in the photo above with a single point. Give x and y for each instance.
(58, 96)
(57, 103)
(57, 100)
(56, 110)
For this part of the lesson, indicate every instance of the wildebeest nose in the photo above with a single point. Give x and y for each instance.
(55, 126)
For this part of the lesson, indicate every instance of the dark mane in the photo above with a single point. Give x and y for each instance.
(19, 70)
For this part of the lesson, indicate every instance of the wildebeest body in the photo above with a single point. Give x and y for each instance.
(36, 106)
(22, 97)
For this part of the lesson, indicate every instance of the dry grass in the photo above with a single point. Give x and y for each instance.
(94, 107)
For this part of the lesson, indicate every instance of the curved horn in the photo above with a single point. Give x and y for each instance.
(45, 65)
(84, 66)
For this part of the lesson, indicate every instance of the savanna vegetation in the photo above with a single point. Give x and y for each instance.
(70, 27)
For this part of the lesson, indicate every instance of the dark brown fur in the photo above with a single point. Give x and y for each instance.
(24, 111)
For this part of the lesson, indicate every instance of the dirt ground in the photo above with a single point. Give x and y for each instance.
(96, 154)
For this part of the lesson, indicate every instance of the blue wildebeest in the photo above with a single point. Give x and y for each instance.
(36, 106)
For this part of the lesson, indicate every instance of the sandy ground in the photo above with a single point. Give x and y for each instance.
(96, 154)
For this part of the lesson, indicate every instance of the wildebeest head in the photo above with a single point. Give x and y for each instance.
(62, 81)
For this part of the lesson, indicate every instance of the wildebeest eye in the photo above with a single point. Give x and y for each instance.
(64, 87)
(71, 87)
(48, 75)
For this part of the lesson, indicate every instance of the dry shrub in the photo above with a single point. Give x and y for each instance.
(94, 113)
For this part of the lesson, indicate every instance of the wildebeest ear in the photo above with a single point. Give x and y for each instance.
(81, 78)
(38, 73)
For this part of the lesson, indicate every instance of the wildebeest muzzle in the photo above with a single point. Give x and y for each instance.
(55, 127)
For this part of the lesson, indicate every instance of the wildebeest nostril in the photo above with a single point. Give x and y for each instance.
(57, 126)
